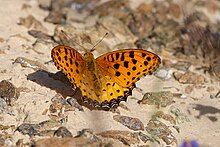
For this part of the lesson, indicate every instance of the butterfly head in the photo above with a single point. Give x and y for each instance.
(89, 55)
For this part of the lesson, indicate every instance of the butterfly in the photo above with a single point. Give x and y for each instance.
(109, 79)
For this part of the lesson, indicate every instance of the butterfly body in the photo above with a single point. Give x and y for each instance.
(108, 79)
(92, 71)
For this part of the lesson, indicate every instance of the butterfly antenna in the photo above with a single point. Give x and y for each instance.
(67, 36)
(93, 48)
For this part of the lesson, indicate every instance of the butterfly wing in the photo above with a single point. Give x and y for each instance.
(73, 65)
(127, 66)
(117, 72)
(70, 62)
(111, 93)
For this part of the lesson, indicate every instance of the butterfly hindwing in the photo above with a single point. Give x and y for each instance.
(127, 66)
(112, 92)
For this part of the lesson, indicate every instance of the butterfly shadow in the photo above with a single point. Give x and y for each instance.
(59, 83)
(56, 82)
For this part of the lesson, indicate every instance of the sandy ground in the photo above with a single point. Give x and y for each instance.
(30, 105)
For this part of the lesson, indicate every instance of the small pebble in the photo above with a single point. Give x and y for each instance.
(8, 92)
(132, 123)
(63, 132)
(164, 74)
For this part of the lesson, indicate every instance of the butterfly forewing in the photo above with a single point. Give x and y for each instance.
(70, 62)
(128, 65)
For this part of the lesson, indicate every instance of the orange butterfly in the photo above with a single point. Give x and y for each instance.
(108, 79)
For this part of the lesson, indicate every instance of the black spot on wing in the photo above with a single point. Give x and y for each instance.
(134, 61)
(144, 55)
(145, 63)
(65, 50)
(65, 57)
(71, 61)
(123, 56)
(117, 73)
(116, 66)
(126, 64)
(67, 64)
(134, 68)
(108, 84)
(77, 64)
(117, 56)
(128, 73)
(131, 54)
(148, 58)
(59, 50)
